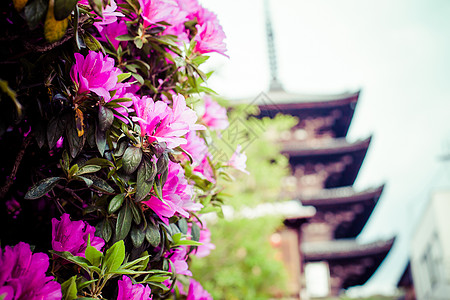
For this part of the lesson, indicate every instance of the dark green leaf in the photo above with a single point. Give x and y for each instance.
(137, 236)
(114, 256)
(131, 159)
(55, 130)
(105, 118)
(100, 184)
(92, 43)
(78, 260)
(136, 211)
(123, 224)
(42, 187)
(115, 203)
(35, 11)
(152, 235)
(99, 162)
(145, 176)
(182, 225)
(63, 8)
(88, 169)
(93, 255)
(76, 142)
(195, 232)
(106, 230)
(69, 288)
(100, 140)
(86, 180)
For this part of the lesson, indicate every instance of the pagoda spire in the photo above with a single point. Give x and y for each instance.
(275, 85)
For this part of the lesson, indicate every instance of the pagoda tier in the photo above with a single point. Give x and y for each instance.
(321, 114)
(335, 162)
(350, 263)
(340, 212)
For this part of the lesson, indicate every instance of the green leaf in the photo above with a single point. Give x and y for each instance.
(156, 278)
(152, 235)
(114, 256)
(144, 258)
(76, 142)
(88, 169)
(106, 230)
(100, 184)
(137, 236)
(4, 87)
(182, 224)
(69, 288)
(200, 59)
(42, 187)
(100, 140)
(93, 255)
(92, 43)
(123, 76)
(82, 285)
(97, 6)
(87, 181)
(55, 130)
(115, 203)
(63, 8)
(99, 162)
(131, 159)
(123, 224)
(124, 37)
(145, 176)
(34, 12)
(195, 232)
(138, 77)
(187, 243)
(73, 170)
(105, 118)
(136, 211)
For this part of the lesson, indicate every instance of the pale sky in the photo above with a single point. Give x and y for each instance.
(397, 53)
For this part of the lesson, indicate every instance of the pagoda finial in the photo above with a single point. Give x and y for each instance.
(275, 85)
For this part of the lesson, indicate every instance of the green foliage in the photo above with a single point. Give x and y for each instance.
(243, 265)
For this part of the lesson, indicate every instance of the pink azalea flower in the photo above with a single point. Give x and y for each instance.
(196, 147)
(238, 160)
(196, 292)
(163, 124)
(177, 195)
(112, 31)
(215, 116)
(73, 236)
(178, 258)
(205, 239)
(205, 169)
(210, 38)
(95, 73)
(22, 275)
(130, 291)
(154, 11)
(109, 16)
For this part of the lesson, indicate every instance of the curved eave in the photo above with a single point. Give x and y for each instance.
(333, 147)
(341, 196)
(285, 101)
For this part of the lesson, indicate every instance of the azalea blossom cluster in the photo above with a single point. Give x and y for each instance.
(135, 170)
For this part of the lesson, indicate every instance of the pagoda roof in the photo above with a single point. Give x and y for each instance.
(340, 196)
(281, 98)
(306, 106)
(331, 150)
(359, 204)
(354, 263)
(324, 147)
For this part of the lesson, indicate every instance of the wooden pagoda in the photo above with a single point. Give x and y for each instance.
(324, 168)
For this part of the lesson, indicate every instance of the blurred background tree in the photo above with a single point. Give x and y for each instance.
(244, 265)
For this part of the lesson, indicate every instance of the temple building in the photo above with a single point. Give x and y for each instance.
(324, 168)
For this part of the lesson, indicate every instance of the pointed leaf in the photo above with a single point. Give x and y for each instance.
(152, 235)
(123, 224)
(42, 187)
(55, 130)
(115, 203)
(114, 256)
(131, 159)
(100, 184)
(137, 236)
(88, 169)
(69, 288)
(93, 255)
(195, 232)
(76, 142)
(63, 8)
(34, 12)
(105, 118)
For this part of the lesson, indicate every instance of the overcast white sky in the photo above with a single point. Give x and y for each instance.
(397, 53)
